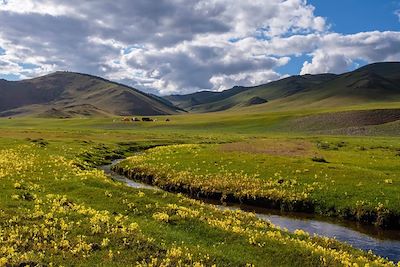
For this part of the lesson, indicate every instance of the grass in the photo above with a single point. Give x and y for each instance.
(55, 207)
(53, 211)
(355, 178)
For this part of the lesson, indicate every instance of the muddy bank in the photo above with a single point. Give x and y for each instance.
(385, 243)
(379, 218)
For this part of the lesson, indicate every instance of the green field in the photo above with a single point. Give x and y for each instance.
(334, 176)
(56, 208)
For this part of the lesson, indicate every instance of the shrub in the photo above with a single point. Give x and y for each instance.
(323, 145)
(319, 159)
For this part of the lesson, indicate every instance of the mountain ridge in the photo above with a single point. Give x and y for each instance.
(373, 82)
(71, 94)
(61, 90)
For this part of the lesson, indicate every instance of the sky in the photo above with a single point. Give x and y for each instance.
(182, 46)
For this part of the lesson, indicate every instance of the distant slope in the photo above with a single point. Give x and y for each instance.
(254, 101)
(271, 91)
(68, 94)
(344, 119)
(378, 82)
(203, 97)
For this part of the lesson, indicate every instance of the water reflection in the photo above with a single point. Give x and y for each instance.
(384, 243)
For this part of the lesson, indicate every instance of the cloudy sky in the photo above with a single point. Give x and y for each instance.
(181, 46)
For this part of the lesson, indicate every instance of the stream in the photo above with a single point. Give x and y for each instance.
(385, 243)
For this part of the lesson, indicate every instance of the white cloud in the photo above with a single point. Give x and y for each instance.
(169, 46)
(40, 7)
(178, 46)
(397, 13)
(222, 82)
(336, 53)
(326, 63)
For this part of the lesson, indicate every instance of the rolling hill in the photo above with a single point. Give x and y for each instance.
(69, 94)
(378, 82)
(203, 97)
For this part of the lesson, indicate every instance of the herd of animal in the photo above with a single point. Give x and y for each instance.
(135, 119)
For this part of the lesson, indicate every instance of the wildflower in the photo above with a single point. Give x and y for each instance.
(17, 185)
(3, 261)
(105, 242)
(161, 216)
(300, 232)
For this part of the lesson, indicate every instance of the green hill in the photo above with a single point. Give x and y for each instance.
(203, 97)
(68, 94)
(271, 91)
(378, 82)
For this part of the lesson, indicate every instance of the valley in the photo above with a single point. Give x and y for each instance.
(336, 163)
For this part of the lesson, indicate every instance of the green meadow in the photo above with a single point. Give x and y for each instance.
(349, 178)
(57, 207)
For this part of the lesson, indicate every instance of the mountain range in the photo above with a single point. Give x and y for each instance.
(69, 94)
(378, 82)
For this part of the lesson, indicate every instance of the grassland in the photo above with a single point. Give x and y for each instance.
(57, 208)
(355, 179)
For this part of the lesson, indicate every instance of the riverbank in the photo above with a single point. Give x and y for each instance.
(385, 244)
(56, 208)
(56, 211)
(295, 183)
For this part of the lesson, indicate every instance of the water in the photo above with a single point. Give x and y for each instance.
(383, 247)
(107, 170)
(385, 243)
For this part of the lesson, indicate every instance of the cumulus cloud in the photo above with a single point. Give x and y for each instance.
(172, 46)
(169, 46)
(223, 81)
(336, 53)
(397, 13)
(326, 63)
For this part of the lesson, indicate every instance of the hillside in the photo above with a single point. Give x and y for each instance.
(268, 92)
(68, 94)
(203, 97)
(378, 82)
(375, 82)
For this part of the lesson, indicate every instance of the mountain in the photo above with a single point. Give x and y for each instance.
(69, 94)
(378, 82)
(269, 92)
(202, 97)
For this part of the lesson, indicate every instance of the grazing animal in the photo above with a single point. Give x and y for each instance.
(147, 119)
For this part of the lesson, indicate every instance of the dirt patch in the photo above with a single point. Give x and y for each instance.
(346, 119)
(271, 147)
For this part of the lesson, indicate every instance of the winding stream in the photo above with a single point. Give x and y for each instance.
(385, 243)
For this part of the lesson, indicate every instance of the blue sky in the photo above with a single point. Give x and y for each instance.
(170, 47)
(349, 17)
(352, 16)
